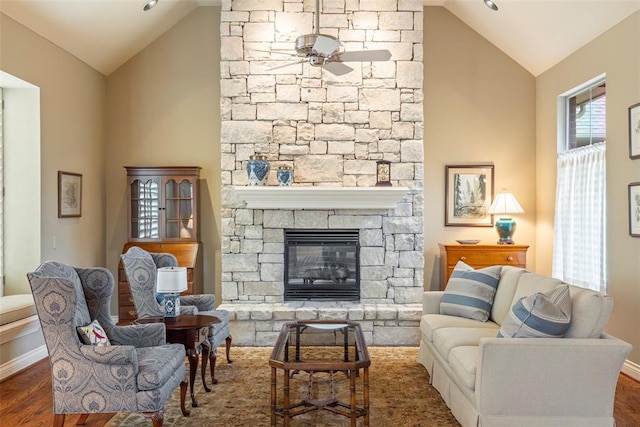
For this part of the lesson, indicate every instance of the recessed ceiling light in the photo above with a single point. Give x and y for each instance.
(490, 4)
(149, 5)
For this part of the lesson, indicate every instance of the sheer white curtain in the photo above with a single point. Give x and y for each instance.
(579, 255)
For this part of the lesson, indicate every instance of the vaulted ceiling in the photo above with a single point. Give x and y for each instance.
(106, 33)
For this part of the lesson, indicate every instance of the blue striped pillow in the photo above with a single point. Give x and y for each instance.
(541, 315)
(469, 292)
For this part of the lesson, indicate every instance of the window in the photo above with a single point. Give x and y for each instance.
(579, 255)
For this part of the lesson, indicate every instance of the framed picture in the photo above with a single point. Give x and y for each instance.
(634, 209)
(468, 195)
(634, 131)
(69, 194)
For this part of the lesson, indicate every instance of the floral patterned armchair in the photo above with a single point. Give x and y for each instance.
(141, 268)
(133, 370)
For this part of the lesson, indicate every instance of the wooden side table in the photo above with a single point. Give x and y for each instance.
(479, 256)
(190, 331)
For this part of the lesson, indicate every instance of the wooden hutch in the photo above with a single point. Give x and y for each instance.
(163, 216)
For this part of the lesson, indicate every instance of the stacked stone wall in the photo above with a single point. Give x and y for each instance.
(330, 130)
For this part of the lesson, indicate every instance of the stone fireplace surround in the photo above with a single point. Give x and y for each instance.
(330, 130)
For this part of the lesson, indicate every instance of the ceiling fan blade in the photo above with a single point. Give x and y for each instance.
(364, 55)
(275, 52)
(325, 46)
(337, 68)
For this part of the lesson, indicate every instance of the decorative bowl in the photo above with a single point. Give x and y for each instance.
(468, 242)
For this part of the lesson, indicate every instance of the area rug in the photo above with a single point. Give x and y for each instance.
(400, 394)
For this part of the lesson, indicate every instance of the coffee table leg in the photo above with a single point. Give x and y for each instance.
(205, 357)
(192, 354)
(274, 397)
(285, 402)
(365, 380)
(352, 389)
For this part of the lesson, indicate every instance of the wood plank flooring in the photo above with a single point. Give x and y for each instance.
(25, 400)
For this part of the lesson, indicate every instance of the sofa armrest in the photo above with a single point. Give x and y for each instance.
(548, 376)
(431, 302)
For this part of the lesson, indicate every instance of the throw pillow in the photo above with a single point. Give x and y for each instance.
(541, 315)
(469, 292)
(93, 334)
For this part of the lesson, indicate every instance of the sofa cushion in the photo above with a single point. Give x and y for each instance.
(429, 323)
(509, 277)
(590, 311)
(541, 315)
(530, 283)
(469, 292)
(446, 339)
(463, 361)
(16, 307)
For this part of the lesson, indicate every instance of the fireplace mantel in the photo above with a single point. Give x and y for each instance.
(258, 197)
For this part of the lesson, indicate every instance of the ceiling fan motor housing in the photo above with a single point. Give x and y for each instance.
(305, 43)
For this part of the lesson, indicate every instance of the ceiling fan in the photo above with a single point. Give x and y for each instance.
(324, 50)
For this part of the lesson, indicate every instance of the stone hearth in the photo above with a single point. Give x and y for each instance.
(330, 130)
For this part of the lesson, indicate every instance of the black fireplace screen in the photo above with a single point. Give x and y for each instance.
(321, 265)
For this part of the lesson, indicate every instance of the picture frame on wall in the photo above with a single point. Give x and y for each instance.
(69, 194)
(468, 195)
(634, 209)
(634, 131)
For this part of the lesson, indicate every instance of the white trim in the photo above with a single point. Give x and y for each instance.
(262, 197)
(631, 369)
(19, 328)
(19, 363)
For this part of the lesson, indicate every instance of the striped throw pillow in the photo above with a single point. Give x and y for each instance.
(542, 315)
(469, 292)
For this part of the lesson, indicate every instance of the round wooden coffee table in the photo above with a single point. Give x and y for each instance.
(190, 331)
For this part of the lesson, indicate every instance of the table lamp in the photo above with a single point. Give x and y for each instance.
(171, 281)
(505, 203)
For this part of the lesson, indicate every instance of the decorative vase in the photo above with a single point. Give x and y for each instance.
(285, 176)
(258, 169)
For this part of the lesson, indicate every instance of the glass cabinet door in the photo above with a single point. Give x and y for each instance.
(145, 197)
(179, 206)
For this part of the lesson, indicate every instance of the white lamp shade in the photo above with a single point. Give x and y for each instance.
(505, 203)
(172, 279)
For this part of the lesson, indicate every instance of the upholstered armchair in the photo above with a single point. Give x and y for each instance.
(131, 370)
(141, 268)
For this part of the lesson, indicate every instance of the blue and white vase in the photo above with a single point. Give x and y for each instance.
(258, 169)
(285, 176)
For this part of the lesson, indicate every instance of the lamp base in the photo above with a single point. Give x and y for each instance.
(505, 227)
(171, 305)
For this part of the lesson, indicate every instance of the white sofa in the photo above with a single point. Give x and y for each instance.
(507, 382)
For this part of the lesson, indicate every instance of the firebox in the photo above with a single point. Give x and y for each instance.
(321, 265)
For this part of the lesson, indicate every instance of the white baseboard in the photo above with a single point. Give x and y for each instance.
(631, 369)
(19, 363)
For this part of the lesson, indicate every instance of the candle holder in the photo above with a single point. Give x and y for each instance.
(383, 173)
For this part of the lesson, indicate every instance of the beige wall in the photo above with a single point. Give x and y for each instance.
(479, 107)
(72, 111)
(616, 53)
(163, 110)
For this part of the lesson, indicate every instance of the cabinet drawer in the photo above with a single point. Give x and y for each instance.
(487, 258)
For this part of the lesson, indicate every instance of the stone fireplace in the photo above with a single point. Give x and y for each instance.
(330, 130)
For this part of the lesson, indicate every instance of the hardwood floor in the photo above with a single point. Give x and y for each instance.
(25, 400)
